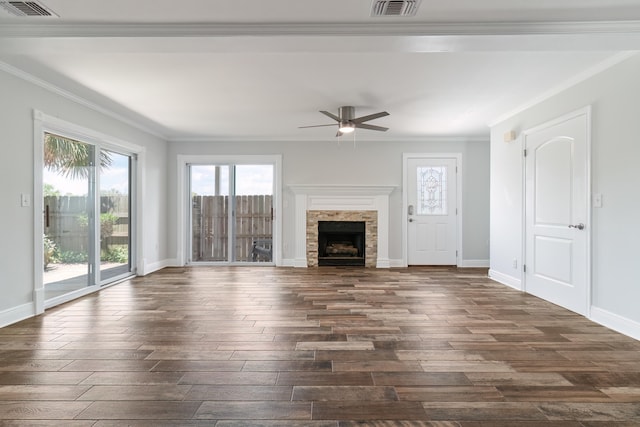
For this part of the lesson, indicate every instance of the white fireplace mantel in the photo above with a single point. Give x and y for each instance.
(341, 198)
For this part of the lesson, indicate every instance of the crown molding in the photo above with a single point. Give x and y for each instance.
(78, 99)
(567, 84)
(390, 139)
(56, 29)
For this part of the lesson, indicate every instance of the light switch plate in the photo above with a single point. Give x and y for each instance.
(597, 200)
(25, 200)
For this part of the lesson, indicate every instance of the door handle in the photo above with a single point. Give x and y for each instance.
(578, 226)
(410, 219)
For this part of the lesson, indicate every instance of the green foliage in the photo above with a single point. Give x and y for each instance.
(107, 221)
(71, 159)
(119, 254)
(72, 257)
(50, 191)
(49, 250)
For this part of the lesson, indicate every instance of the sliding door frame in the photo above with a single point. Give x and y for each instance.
(42, 124)
(183, 197)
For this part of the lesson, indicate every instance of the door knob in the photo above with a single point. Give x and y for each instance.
(579, 226)
(410, 219)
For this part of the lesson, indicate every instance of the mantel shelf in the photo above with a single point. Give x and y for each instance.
(343, 190)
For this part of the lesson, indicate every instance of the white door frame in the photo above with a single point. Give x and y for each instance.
(405, 203)
(582, 111)
(183, 200)
(43, 123)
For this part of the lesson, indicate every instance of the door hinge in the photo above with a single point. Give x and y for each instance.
(524, 268)
(456, 254)
(524, 152)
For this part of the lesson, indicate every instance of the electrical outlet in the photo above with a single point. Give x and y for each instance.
(514, 263)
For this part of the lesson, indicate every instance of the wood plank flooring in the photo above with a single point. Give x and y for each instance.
(334, 347)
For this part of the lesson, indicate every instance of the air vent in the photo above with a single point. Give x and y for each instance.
(394, 7)
(26, 8)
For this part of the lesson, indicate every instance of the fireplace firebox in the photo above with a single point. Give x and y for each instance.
(341, 243)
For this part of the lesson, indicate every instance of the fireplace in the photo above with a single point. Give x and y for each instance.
(368, 204)
(341, 243)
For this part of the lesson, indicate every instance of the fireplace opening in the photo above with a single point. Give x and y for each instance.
(341, 243)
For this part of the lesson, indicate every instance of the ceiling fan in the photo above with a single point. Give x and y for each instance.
(347, 122)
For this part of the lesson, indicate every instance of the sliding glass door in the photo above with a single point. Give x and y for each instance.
(231, 213)
(69, 192)
(87, 216)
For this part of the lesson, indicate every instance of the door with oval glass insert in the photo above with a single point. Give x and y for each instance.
(432, 211)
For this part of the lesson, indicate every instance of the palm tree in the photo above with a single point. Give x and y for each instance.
(71, 158)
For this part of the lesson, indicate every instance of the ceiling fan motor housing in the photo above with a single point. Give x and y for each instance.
(346, 113)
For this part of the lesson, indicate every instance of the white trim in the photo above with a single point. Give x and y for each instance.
(183, 160)
(396, 263)
(616, 322)
(79, 100)
(38, 210)
(567, 84)
(405, 183)
(45, 123)
(288, 262)
(341, 198)
(331, 138)
(475, 263)
(16, 314)
(585, 111)
(97, 30)
(342, 190)
(155, 266)
(512, 282)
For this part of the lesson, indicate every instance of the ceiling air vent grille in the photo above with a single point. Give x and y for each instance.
(26, 8)
(394, 7)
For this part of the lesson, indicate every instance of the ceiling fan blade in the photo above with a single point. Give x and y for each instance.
(315, 126)
(369, 117)
(333, 116)
(370, 127)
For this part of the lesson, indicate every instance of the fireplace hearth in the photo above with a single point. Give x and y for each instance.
(341, 243)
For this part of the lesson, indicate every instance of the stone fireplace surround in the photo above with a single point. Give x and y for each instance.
(315, 203)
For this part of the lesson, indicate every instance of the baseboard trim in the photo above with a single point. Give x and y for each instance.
(287, 262)
(397, 263)
(616, 322)
(159, 265)
(383, 263)
(505, 279)
(300, 263)
(16, 314)
(475, 263)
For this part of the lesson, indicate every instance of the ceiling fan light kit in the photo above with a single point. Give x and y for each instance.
(347, 122)
(346, 127)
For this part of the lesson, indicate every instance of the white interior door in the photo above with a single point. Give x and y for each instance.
(556, 236)
(432, 211)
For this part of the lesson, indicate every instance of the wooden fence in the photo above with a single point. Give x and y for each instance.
(253, 221)
(67, 222)
(210, 226)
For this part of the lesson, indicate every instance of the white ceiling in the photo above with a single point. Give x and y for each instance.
(258, 69)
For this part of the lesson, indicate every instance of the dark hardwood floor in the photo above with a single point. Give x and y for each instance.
(236, 346)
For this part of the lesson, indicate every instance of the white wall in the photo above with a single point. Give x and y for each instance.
(17, 101)
(370, 163)
(615, 97)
